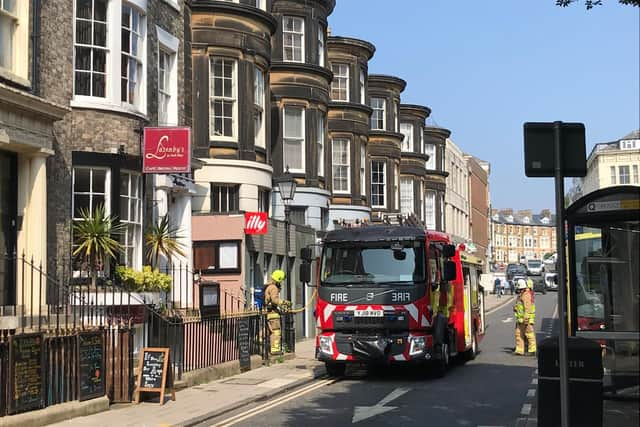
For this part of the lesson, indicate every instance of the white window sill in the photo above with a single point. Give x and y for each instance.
(173, 3)
(218, 138)
(100, 104)
(9, 75)
(343, 192)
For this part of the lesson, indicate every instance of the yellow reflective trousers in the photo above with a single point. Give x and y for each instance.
(275, 333)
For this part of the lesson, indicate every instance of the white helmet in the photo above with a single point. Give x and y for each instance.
(521, 284)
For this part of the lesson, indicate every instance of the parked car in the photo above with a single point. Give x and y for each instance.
(539, 286)
(551, 281)
(534, 267)
(516, 270)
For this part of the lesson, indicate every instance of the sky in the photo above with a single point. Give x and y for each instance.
(487, 67)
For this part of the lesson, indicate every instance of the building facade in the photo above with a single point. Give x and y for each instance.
(346, 164)
(413, 164)
(385, 146)
(613, 163)
(521, 234)
(479, 206)
(457, 194)
(120, 66)
(436, 177)
(27, 140)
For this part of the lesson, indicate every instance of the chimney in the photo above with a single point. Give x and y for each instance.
(545, 213)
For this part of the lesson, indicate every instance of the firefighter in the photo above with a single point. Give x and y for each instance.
(272, 302)
(525, 313)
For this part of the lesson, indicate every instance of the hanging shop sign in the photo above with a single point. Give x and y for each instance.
(167, 150)
(255, 223)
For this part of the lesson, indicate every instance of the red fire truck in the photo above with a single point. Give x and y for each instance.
(394, 294)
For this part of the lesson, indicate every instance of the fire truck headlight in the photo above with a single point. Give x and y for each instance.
(417, 346)
(326, 345)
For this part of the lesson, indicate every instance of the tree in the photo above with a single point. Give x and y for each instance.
(591, 3)
(162, 239)
(94, 238)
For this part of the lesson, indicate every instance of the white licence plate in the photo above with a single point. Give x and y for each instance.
(369, 313)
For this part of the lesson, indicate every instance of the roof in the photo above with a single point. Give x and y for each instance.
(633, 135)
(534, 220)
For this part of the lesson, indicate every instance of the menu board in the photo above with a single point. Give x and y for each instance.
(243, 344)
(154, 373)
(91, 360)
(25, 362)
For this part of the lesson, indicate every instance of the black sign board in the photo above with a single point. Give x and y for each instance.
(539, 154)
(27, 376)
(91, 370)
(243, 344)
(155, 373)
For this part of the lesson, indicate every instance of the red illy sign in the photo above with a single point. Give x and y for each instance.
(167, 150)
(255, 222)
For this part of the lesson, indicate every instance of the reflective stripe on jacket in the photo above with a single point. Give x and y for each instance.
(525, 309)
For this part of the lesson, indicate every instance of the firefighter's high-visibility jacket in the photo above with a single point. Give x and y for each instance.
(525, 308)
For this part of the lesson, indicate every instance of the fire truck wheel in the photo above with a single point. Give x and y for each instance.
(335, 369)
(473, 351)
(441, 364)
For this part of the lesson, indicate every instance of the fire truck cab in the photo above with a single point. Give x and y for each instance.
(391, 294)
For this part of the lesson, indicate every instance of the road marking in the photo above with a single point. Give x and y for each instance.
(526, 409)
(531, 392)
(276, 402)
(555, 312)
(361, 413)
(534, 381)
(507, 320)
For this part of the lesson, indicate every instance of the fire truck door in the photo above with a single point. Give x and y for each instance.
(467, 306)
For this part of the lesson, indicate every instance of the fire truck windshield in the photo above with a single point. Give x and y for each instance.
(368, 264)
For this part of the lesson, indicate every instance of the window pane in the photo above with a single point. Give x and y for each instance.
(83, 32)
(83, 83)
(293, 154)
(228, 255)
(99, 34)
(98, 180)
(82, 180)
(83, 9)
(80, 201)
(203, 257)
(100, 10)
(293, 122)
(83, 58)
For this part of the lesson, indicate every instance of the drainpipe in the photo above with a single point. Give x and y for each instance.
(35, 44)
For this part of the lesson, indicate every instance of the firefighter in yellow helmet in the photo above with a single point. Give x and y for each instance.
(272, 302)
(525, 313)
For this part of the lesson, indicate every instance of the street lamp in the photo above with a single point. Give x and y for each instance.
(287, 188)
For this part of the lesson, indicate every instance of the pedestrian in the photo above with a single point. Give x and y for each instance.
(504, 285)
(507, 286)
(525, 313)
(496, 286)
(272, 302)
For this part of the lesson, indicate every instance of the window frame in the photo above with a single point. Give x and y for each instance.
(224, 98)
(378, 109)
(431, 163)
(294, 34)
(299, 139)
(407, 140)
(624, 178)
(106, 195)
(235, 194)
(321, 46)
(363, 169)
(430, 211)
(635, 174)
(346, 166)
(612, 170)
(259, 107)
(407, 195)
(17, 67)
(168, 45)
(363, 86)
(136, 226)
(340, 82)
(320, 142)
(381, 184)
(215, 246)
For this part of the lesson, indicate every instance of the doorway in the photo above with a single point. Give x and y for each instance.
(8, 220)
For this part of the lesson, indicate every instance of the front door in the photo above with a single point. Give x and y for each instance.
(8, 219)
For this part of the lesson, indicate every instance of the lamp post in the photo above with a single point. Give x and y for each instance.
(287, 188)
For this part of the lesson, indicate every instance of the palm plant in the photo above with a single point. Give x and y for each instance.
(94, 237)
(162, 239)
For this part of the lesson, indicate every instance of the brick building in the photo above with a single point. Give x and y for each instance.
(479, 205)
(521, 234)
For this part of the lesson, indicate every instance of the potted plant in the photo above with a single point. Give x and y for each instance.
(94, 237)
(162, 239)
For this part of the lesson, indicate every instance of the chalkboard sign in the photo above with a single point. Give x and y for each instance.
(91, 360)
(25, 362)
(243, 344)
(155, 373)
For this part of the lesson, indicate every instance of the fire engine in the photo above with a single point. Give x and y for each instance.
(395, 294)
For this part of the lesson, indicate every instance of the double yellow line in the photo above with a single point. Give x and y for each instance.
(275, 402)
